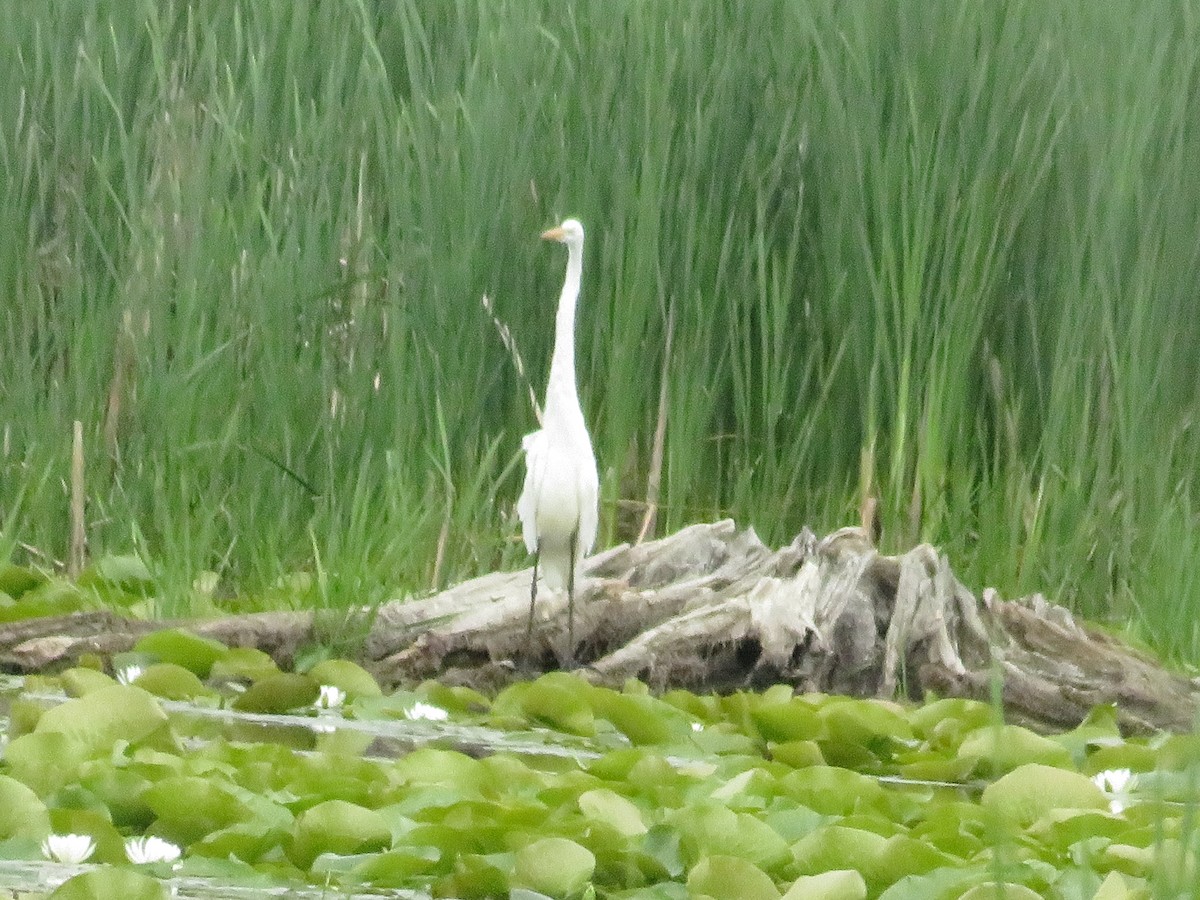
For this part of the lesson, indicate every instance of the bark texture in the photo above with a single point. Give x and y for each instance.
(711, 608)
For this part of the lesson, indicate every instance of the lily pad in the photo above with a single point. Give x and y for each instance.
(609, 807)
(995, 891)
(833, 791)
(1031, 791)
(557, 700)
(183, 648)
(243, 664)
(838, 884)
(798, 754)
(172, 682)
(794, 720)
(105, 716)
(350, 677)
(50, 598)
(641, 718)
(278, 693)
(730, 878)
(189, 806)
(839, 847)
(111, 882)
(336, 826)
(1003, 748)
(25, 815)
(710, 829)
(554, 866)
(394, 867)
(16, 580)
(81, 680)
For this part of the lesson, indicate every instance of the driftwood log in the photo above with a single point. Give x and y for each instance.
(711, 608)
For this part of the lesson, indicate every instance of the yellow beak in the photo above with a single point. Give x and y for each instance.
(553, 234)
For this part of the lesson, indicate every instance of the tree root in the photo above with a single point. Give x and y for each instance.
(711, 608)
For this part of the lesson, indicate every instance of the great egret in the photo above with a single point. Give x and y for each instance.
(558, 504)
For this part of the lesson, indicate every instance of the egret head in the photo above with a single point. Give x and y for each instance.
(569, 232)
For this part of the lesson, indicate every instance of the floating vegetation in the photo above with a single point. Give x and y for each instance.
(566, 789)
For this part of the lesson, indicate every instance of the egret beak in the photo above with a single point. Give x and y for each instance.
(554, 234)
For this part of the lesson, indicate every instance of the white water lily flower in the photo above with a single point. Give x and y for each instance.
(150, 850)
(129, 674)
(1117, 783)
(697, 726)
(69, 849)
(428, 711)
(331, 697)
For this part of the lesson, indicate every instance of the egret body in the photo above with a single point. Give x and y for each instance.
(558, 506)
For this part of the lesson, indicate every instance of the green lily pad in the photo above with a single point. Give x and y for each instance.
(839, 847)
(1003, 748)
(172, 682)
(336, 826)
(17, 580)
(934, 765)
(942, 721)
(351, 678)
(609, 807)
(554, 866)
(1031, 791)
(865, 722)
(455, 698)
(839, 884)
(944, 883)
(243, 664)
(105, 716)
(395, 868)
(1061, 829)
(25, 815)
(903, 855)
(80, 681)
(183, 648)
(994, 891)
(794, 720)
(247, 841)
(277, 693)
(111, 882)
(556, 700)
(730, 878)
(122, 793)
(1135, 757)
(798, 754)
(478, 875)
(1115, 888)
(641, 718)
(832, 791)
(189, 806)
(50, 598)
(711, 829)
(447, 768)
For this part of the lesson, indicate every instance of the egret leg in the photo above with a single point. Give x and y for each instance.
(532, 597)
(570, 660)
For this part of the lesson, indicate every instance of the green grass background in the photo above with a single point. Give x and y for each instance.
(946, 251)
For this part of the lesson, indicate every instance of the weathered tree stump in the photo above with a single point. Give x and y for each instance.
(711, 608)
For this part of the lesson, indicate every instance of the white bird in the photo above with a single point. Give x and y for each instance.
(558, 506)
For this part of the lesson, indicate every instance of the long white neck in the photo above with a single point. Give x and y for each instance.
(562, 398)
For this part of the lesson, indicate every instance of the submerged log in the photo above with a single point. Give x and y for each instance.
(711, 608)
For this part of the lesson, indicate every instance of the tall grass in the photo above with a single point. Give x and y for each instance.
(941, 254)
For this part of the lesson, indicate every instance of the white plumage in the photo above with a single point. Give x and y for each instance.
(558, 505)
